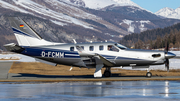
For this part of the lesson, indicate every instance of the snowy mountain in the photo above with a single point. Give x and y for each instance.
(169, 13)
(99, 4)
(64, 20)
(78, 2)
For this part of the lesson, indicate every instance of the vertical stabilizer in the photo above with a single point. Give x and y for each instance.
(25, 35)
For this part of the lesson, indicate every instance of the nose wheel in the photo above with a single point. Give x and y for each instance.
(148, 74)
(107, 72)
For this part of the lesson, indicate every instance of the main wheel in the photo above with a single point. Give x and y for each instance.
(148, 74)
(107, 73)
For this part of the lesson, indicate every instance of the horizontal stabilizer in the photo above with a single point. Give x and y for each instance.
(12, 47)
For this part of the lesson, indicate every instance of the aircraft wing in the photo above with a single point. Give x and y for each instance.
(105, 61)
(82, 52)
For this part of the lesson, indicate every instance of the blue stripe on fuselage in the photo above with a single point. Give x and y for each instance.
(52, 53)
(119, 58)
(124, 58)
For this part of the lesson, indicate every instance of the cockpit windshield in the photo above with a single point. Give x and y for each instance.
(120, 46)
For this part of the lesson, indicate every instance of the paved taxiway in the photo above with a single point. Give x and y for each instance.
(49, 78)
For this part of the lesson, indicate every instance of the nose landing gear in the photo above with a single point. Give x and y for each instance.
(148, 74)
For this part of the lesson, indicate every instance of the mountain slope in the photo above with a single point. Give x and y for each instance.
(64, 20)
(150, 35)
(61, 13)
(132, 19)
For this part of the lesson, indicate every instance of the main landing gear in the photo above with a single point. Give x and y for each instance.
(107, 72)
(148, 74)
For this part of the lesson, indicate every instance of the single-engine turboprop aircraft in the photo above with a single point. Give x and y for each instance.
(89, 55)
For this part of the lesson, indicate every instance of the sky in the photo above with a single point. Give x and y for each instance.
(155, 5)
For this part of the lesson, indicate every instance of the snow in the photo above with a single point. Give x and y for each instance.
(129, 23)
(9, 6)
(132, 26)
(22, 58)
(73, 10)
(35, 7)
(144, 21)
(98, 4)
(58, 23)
(126, 3)
(169, 13)
(142, 27)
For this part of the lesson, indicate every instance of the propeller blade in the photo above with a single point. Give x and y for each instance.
(167, 55)
(167, 65)
(167, 47)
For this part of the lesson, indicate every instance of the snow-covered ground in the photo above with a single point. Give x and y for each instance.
(173, 63)
(132, 25)
(23, 58)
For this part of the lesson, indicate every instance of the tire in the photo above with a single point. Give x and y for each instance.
(107, 73)
(149, 74)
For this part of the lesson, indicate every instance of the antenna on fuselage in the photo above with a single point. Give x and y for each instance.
(74, 41)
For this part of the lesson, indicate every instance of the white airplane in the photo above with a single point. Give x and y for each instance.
(89, 55)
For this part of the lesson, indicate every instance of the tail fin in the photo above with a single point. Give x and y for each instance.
(25, 35)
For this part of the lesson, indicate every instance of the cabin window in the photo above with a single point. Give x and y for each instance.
(101, 48)
(91, 48)
(112, 48)
(71, 48)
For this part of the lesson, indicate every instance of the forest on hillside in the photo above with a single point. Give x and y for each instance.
(154, 39)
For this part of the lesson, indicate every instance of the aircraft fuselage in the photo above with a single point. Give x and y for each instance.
(69, 55)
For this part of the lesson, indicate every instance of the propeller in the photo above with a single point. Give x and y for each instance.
(167, 59)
